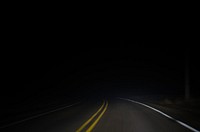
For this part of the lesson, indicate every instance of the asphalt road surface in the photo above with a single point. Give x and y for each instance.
(109, 115)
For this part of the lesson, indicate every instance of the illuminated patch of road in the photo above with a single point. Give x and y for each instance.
(179, 122)
(100, 113)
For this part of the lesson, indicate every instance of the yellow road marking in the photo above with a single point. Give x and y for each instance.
(90, 119)
(97, 120)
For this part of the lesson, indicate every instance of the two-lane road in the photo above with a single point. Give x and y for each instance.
(113, 115)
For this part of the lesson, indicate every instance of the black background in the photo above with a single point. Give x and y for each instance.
(74, 56)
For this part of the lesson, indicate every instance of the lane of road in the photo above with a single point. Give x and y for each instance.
(113, 115)
(65, 120)
(125, 116)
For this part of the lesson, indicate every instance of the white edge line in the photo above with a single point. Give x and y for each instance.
(179, 122)
(36, 116)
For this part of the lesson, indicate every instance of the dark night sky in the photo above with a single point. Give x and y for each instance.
(54, 71)
(73, 59)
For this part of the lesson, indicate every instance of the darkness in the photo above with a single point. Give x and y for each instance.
(54, 63)
(53, 71)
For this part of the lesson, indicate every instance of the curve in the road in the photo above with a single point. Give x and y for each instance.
(179, 122)
(96, 115)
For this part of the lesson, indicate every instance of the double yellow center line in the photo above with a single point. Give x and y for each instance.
(102, 109)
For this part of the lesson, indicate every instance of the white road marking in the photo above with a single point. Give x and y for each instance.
(36, 116)
(179, 122)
